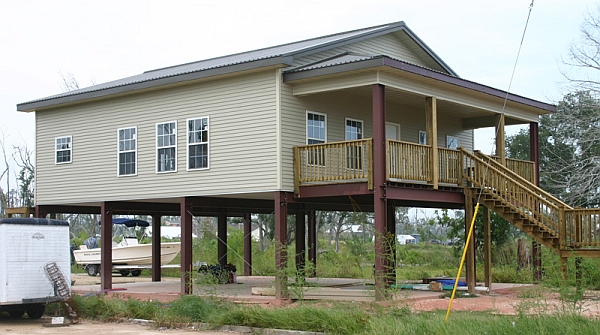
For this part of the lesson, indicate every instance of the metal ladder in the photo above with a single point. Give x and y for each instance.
(62, 290)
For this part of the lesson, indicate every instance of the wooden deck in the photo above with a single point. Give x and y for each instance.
(508, 189)
(352, 161)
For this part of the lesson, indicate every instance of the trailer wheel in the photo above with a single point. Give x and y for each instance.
(136, 273)
(16, 313)
(36, 311)
(124, 273)
(92, 269)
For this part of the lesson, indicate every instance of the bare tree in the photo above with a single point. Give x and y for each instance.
(23, 159)
(4, 194)
(68, 82)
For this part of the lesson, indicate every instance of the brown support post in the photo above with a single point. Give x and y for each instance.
(247, 244)
(470, 255)
(563, 267)
(391, 250)
(106, 245)
(487, 246)
(578, 271)
(300, 243)
(432, 139)
(534, 156)
(186, 209)
(156, 270)
(379, 191)
(222, 237)
(312, 243)
(40, 212)
(281, 209)
(500, 142)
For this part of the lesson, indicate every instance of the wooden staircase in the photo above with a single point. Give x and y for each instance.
(568, 231)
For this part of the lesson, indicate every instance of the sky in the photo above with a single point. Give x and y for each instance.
(100, 41)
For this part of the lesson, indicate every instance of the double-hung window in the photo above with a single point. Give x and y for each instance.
(63, 149)
(127, 165)
(197, 143)
(166, 147)
(316, 128)
(316, 133)
(354, 152)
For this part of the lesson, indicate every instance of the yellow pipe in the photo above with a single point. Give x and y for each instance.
(462, 261)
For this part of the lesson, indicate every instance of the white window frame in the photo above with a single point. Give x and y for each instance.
(69, 149)
(362, 125)
(424, 134)
(171, 146)
(398, 127)
(119, 152)
(354, 154)
(450, 138)
(188, 144)
(325, 120)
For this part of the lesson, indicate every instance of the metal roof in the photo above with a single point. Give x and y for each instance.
(281, 55)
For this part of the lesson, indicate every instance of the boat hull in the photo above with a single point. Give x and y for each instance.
(140, 254)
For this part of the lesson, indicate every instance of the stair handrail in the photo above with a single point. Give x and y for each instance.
(537, 216)
(531, 186)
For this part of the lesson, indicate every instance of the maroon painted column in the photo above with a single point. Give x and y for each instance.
(391, 245)
(222, 238)
(312, 243)
(106, 245)
(281, 209)
(186, 209)
(379, 197)
(40, 212)
(534, 155)
(156, 270)
(247, 244)
(300, 242)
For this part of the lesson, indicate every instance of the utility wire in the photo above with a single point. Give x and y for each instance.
(506, 99)
(469, 239)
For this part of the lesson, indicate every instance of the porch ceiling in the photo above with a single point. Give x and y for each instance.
(472, 117)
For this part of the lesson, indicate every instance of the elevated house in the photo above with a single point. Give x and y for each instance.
(364, 120)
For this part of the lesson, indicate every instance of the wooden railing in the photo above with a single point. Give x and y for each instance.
(449, 165)
(576, 229)
(582, 227)
(408, 161)
(525, 169)
(512, 190)
(334, 162)
(344, 161)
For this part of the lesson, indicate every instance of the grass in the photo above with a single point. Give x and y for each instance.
(339, 318)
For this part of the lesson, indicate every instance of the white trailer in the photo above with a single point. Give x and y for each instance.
(26, 246)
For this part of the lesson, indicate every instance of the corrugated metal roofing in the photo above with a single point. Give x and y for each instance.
(340, 59)
(290, 49)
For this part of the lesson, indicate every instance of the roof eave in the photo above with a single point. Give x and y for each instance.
(435, 75)
(118, 90)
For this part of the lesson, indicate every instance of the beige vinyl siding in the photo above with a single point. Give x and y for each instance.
(387, 45)
(242, 144)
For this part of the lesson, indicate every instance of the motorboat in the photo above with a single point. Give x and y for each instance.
(128, 252)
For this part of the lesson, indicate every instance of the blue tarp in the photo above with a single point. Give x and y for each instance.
(450, 282)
